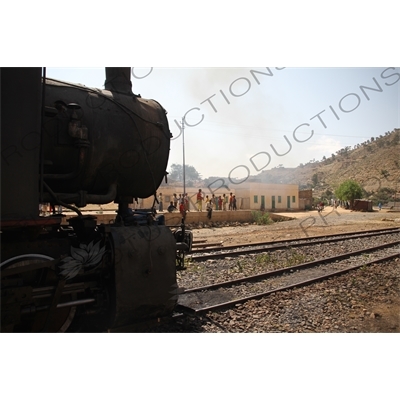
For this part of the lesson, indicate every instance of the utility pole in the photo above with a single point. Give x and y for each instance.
(183, 152)
(184, 241)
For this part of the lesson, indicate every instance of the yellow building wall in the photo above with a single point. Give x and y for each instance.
(248, 196)
(273, 196)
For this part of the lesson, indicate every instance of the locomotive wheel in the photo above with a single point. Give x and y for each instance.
(37, 320)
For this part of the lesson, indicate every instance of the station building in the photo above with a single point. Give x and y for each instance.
(249, 196)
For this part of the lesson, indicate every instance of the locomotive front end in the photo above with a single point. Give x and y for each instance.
(74, 146)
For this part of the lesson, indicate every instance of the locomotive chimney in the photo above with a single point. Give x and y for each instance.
(118, 80)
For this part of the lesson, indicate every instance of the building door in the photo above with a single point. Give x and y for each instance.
(273, 202)
(262, 203)
(288, 202)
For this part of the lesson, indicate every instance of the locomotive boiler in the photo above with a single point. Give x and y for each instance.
(69, 145)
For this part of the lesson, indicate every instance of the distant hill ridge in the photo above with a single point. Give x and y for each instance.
(375, 164)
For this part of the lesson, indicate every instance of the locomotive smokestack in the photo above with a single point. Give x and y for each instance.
(118, 80)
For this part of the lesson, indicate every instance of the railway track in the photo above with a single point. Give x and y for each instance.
(203, 243)
(215, 252)
(232, 292)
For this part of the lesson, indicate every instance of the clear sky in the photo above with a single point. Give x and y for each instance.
(244, 120)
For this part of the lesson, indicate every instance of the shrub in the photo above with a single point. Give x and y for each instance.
(261, 218)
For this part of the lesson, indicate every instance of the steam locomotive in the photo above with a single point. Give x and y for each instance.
(70, 145)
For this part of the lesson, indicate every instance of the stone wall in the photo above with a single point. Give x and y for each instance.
(174, 219)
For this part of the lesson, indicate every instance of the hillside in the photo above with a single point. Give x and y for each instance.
(375, 164)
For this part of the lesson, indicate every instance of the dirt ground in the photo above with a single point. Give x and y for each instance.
(304, 224)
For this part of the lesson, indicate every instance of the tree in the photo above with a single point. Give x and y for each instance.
(315, 179)
(191, 173)
(380, 143)
(349, 191)
(385, 173)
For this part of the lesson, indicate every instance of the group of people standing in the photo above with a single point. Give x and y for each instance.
(181, 203)
(49, 208)
(216, 202)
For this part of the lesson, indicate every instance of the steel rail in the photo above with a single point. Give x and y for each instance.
(371, 232)
(248, 248)
(200, 246)
(309, 238)
(258, 296)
